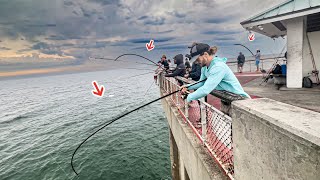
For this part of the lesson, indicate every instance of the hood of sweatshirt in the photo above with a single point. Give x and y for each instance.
(179, 59)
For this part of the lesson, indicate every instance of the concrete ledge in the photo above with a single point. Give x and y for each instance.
(196, 159)
(274, 140)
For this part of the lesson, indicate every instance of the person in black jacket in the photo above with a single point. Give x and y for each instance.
(241, 59)
(187, 64)
(195, 71)
(164, 62)
(180, 69)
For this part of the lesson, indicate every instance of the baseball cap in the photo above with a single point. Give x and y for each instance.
(198, 49)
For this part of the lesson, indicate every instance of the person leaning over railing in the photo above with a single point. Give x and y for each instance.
(180, 69)
(219, 76)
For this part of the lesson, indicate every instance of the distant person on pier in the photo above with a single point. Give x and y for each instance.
(180, 69)
(216, 72)
(171, 65)
(257, 59)
(195, 71)
(241, 59)
(164, 62)
(187, 64)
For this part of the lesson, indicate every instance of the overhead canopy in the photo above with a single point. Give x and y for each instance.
(271, 22)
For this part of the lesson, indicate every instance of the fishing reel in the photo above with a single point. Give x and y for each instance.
(184, 95)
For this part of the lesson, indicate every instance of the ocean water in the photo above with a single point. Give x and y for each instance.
(43, 119)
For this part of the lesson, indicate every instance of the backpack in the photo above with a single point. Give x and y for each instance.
(277, 70)
(306, 82)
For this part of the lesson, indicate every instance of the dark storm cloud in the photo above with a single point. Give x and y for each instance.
(219, 19)
(145, 40)
(154, 21)
(106, 2)
(224, 38)
(142, 17)
(40, 45)
(57, 38)
(49, 25)
(46, 48)
(172, 47)
(178, 14)
(68, 3)
(220, 32)
(67, 45)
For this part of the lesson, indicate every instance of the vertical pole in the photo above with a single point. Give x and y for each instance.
(186, 109)
(203, 113)
(262, 64)
(165, 84)
(177, 96)
(171, 89)
(250, 65)
(159, 80)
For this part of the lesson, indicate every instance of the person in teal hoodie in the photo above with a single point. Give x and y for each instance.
(216, 72)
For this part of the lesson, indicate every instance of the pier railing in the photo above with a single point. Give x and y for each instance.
(211, 126)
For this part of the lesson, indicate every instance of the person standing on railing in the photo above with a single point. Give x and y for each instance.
(258, 59)
(241, 59)
(219, 76)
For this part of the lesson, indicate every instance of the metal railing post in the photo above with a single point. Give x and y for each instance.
(186, 109)
(159, 80)
(177, 96)
(250, 65)
(171, 89)
(203, 114)
(165, 85)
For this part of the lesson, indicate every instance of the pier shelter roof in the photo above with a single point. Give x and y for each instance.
(272, 21)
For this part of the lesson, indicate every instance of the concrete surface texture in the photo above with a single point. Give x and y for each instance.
(308, 98)
(314, 38)
(274, 140)
(295, 32)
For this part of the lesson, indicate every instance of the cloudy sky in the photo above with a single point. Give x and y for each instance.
(82, 28)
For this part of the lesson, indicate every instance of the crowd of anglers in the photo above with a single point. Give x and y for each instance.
(207, 67)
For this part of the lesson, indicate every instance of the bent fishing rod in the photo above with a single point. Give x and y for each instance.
(132, 54)
(111, 59)
(121, 116)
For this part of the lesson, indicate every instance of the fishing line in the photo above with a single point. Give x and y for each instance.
(141, 57)
(149, 88)
(138, 69)
(136, 55)
(121, 116)
(110, 59)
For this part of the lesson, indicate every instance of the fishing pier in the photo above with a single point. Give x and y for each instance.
(230, 138)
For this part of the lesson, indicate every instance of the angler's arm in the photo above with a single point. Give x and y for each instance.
(196, 86)
(175, 73)
(210, 84)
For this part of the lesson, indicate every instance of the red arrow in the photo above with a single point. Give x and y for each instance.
(97, 91)
(150, 45)
(251, 37)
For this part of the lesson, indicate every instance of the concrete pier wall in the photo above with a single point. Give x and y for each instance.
(273, 140)
(189, 158)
